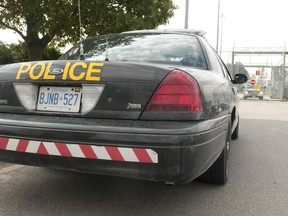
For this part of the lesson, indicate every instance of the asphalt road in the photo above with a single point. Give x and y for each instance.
(257, 185)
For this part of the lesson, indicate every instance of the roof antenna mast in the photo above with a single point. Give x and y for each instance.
(82, 57)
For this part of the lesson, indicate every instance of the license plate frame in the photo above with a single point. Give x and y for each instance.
(59, 99)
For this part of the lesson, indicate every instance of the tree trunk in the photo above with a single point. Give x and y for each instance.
(35, 51)
(36, 45)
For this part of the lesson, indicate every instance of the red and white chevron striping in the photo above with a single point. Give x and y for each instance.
(111, 153)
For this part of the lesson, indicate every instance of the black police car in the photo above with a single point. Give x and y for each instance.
(155, 105)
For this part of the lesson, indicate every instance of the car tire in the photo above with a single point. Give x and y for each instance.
(219, 171)
(235, 133)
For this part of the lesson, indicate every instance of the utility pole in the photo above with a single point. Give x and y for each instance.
(186, 14)
(221, 35)
(218, 20)
(284, 75)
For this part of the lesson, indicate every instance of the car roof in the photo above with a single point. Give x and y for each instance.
(167, 31)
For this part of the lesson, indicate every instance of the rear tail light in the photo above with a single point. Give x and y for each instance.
(178, 92)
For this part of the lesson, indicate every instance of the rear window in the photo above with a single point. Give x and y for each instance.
(159, 48)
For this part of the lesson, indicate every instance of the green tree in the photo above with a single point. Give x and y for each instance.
(51, 53)
(277, 73)
(238, 67)
(6, 56)
(39, 22)
(19, 51)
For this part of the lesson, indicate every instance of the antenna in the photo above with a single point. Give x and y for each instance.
(82, 57)
(106, 53)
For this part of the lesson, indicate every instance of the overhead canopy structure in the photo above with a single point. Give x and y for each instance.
(263, 51)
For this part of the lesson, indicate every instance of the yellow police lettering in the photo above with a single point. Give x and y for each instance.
(47, 76)
(66, 70)
(72, 68)
(24, 68)
(91, 70)
(41, 72)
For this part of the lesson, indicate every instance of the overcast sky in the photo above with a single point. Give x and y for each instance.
(256, 23)
(245, 23)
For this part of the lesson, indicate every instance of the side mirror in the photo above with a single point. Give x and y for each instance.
(240, 79)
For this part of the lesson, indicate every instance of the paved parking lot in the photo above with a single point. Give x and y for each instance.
(257, 185)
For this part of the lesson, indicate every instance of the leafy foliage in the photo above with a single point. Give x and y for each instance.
(238, 67)
(39, 22)
(5, 54)
(278, 74)
(18, 53)
(51, 53)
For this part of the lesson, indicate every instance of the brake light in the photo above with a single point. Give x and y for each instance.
(178, 92)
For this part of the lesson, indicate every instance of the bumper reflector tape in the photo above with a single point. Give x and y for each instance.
(138, 155)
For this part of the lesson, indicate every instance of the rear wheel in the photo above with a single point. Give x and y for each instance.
(219, 171)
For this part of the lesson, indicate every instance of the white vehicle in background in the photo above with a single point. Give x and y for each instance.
(253, 91)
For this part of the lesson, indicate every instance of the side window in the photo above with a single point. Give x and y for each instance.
(215, 62)
(224, 69)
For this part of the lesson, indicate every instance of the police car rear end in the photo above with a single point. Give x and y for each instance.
(141, 105)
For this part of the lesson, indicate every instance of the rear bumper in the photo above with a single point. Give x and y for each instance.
(253, 95)
(176, 151)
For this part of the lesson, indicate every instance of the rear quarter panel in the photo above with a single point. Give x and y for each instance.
(218, 97)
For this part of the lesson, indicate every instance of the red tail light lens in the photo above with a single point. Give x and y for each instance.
(178, 92)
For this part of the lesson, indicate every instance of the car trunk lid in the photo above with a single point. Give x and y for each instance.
(103, 89)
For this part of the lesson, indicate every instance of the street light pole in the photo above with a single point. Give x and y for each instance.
(218, 20)
(186, 14)
(284, 75)
(221, 35)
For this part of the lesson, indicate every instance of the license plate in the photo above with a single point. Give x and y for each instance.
(59, 99)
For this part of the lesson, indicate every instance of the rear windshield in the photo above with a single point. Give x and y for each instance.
(159, 48)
